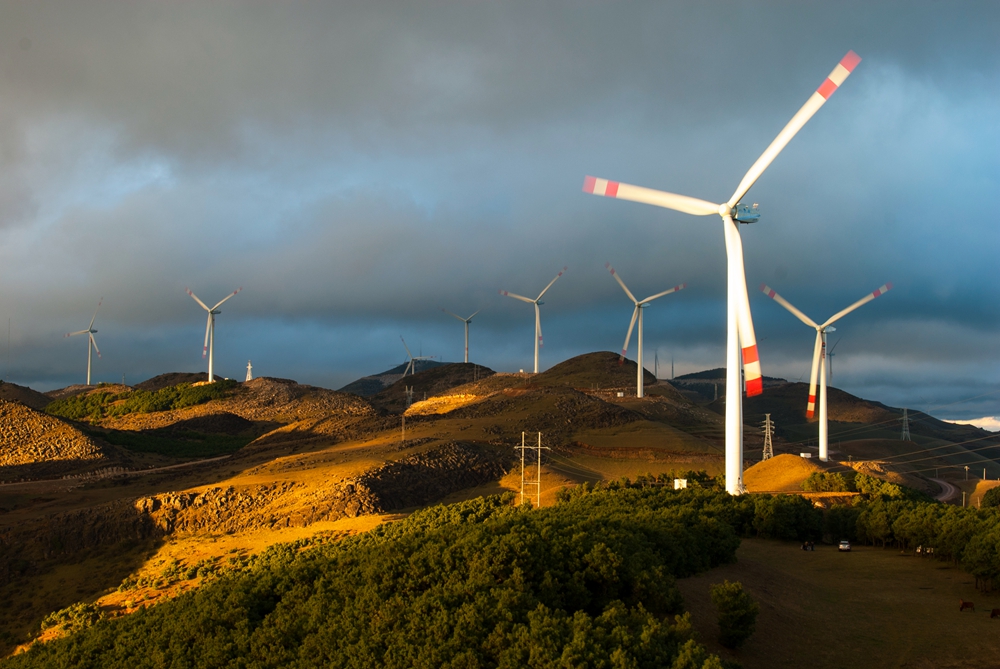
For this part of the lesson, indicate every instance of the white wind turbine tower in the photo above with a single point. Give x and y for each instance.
(637, 316)
(411, 367)
(819, 356)
(538, 317)
(91, 342)
(740, 334)
(466, 321)
(209, 346)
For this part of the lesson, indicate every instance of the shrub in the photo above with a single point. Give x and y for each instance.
(827, 482)
(737, 613)
(991, 498)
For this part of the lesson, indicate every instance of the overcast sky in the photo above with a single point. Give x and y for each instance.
(357, 166)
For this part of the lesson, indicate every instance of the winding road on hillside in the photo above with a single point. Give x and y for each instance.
(947, 490)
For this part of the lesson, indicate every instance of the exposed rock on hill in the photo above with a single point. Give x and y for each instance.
(171, 379)
(367, 386)
(428, 383)
(29, 437)
(593, 370)
(26, 396)
(412, 481)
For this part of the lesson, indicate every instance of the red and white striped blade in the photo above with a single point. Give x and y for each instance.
(227, 297)
(770, 292)
(628, 337)
(666, 292)
(517, 297)
(882, 290)
(802, 116)
(208, 328)
(94, 343)
(203, 305)
(621, 283)
(89, 327)
(748, 340)
(657, 198)
(561, 272)
(813, 374)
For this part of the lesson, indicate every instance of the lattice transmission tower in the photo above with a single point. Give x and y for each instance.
(768, 427)
(906, 426)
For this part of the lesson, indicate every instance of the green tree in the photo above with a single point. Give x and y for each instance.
(991, 498)
(737, 613)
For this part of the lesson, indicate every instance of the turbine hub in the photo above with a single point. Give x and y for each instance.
(724, 210)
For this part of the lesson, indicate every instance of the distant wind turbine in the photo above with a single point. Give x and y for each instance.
(209, 346)
(637, 316)
(819, 355)
(538, 318)
(466, 321)
(412, 366)
(91, 342)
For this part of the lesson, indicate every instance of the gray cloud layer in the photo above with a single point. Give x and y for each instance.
(356, 167)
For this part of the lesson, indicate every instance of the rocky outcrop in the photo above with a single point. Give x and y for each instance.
(413, 481)
(29, 437)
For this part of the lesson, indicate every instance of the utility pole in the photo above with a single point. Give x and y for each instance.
(768, 426)
(409, 401)
(656, 364)
(671, 367)
(966, 472)
(538, 481)
(906, 426)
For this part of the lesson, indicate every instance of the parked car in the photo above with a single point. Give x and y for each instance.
(845, 546)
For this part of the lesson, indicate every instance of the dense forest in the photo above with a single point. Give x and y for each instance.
(589, 582)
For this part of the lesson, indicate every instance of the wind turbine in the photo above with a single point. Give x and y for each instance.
(637, 316)
(411, 367)
(210, 329)
(538, 317)
(740, 334)
(466, 321)
(91, 343)
(819, 356)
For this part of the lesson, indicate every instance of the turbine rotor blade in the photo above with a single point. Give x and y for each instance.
(657, 198)
(817, 351)
(410, 355)
(89, 327)
(628, 337)
(621, 283)
(226, 298)
(767, 290)
(203, 305)
(864, 300)
(666, 292)
(469, 319)
(517, 297)
(208, 329)
(802, 116)
(538, 325)
(94, 342)
(453, 315)
(561, 272)
(73, 334)
(748, 340)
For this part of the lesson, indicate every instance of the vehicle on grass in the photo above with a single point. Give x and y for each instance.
(845, 546)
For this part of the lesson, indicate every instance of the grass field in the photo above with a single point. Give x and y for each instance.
(867, 608)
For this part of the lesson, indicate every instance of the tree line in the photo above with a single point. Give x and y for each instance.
(588, 582)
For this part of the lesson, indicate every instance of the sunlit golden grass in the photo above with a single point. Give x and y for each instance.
(782, 473)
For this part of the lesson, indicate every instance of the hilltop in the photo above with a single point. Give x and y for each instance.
(26, 396)
(367, 386)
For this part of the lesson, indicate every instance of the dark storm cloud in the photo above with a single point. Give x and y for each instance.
(356, 167)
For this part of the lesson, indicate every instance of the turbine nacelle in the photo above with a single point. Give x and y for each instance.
(746, 213)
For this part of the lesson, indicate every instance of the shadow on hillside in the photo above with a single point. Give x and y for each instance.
(50, 470)
(75, 556)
